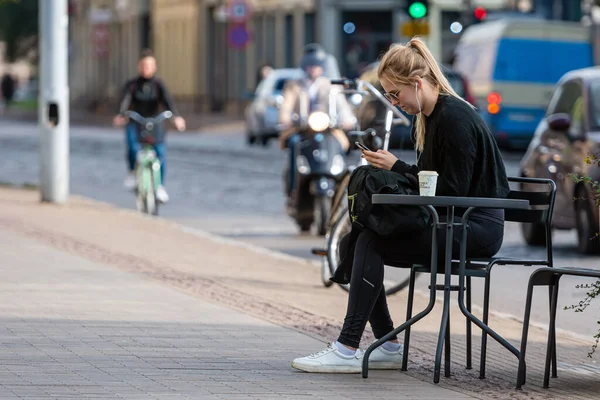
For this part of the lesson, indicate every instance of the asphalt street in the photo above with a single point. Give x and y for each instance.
(219, 184)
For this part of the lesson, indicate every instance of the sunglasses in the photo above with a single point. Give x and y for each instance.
(392, 96)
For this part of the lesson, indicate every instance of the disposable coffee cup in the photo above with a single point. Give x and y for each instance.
(427, 183)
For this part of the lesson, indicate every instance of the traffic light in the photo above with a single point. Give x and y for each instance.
(417, 9)
(479, 13)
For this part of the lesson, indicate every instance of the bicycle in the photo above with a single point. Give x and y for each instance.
(147, 166)
(340, 225)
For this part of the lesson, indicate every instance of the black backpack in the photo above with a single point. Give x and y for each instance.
(382, 219)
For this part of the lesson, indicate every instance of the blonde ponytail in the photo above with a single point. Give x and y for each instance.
(402, 64)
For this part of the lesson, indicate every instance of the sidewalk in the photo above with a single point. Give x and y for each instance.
(104, 303)
(72, 328)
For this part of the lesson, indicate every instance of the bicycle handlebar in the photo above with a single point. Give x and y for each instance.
(151, 120)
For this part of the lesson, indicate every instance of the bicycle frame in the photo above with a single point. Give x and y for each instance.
(147, 169)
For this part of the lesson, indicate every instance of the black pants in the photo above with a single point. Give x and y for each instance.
(367, 299)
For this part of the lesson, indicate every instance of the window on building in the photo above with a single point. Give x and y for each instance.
(146, 33)
(289, 41)
(309, 28)
(258, 39)
(270, 38)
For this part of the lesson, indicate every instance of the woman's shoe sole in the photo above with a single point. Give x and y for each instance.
(327, 370)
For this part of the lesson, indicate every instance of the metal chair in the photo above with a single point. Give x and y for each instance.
(550, 277)
(540, 212)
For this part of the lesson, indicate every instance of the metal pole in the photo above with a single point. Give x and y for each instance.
(54, 101)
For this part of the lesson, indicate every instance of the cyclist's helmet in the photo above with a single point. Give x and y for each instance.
(313, 58)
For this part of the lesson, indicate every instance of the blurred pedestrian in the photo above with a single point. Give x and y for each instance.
(263, 71)
(8, 87)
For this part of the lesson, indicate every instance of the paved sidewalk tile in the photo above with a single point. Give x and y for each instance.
(74, 329)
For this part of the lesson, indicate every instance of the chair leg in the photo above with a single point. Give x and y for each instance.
(521, 374)
(469, 334)
(551, 349)
(409, 307)
(486, 305)
(447, 349)
(551, 293)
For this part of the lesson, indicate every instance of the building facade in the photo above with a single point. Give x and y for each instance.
(105, 40)
(204, 70)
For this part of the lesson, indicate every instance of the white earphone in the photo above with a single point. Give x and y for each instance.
(416, 96)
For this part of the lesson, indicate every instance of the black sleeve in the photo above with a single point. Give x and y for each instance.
(400, 166)
(125, 101)
(457, 150)
(166, 97)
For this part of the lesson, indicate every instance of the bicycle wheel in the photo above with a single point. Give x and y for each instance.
(395, 279)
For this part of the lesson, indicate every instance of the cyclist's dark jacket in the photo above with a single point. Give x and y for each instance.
(146, 96)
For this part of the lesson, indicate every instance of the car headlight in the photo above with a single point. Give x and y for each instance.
(356, 99)
(337, 165)
(318, 121)
(302, 165)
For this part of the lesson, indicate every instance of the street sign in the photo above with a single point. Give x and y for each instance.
(238, 11)
(414, 28)
(238, 36)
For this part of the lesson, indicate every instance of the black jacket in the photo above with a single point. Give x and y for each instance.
(146, 97)
(460, 147)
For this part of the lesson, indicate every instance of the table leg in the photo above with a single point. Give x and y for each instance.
(446, 309)
(427, 310)
(461, 294)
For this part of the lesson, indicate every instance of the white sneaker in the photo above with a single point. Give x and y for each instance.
(129, 182)
(381, 358)
(331, 361)
(161, 194)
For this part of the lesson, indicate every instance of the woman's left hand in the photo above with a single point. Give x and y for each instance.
(380, 159)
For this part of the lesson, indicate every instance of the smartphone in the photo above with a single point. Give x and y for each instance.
(362, 146)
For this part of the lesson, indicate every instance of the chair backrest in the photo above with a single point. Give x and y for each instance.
(541, 194)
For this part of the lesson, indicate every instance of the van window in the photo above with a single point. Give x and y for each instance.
(475, 61)
(539, 61)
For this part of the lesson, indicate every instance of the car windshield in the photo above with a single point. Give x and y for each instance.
(275, 81)
(595, 105)
(280, 84)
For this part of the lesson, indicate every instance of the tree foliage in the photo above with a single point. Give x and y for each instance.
(18, 26)
(594, 288)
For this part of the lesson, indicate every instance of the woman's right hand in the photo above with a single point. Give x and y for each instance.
(119, 120)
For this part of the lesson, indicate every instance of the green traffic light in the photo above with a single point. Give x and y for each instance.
(417, 10)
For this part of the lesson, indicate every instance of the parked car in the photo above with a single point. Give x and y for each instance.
(262, 114)
(371, 113)
(564, 138)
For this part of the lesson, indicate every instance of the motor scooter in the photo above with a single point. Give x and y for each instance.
(319, 166)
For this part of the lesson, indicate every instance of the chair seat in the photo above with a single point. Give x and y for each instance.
(472, 270)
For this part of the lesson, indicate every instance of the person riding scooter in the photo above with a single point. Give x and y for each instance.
(315, 90)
